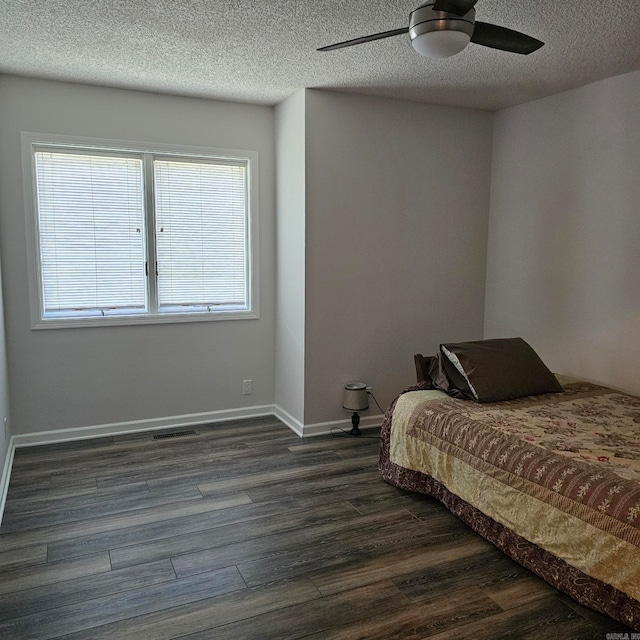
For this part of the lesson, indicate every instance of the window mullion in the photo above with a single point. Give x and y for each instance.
(150, 218)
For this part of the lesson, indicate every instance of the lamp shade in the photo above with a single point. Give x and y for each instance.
(355, 397)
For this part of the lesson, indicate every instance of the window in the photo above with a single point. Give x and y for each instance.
(127, 235)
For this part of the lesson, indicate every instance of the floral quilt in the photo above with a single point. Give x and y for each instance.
(587, 422)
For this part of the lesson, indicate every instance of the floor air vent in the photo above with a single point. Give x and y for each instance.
(174, 434)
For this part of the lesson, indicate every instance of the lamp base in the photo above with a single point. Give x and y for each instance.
(355, 421)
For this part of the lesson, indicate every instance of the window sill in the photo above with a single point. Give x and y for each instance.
(134, 320)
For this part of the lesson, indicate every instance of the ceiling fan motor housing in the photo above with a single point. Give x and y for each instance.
(439, 34)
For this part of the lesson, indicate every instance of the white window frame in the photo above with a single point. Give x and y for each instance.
(32, 141)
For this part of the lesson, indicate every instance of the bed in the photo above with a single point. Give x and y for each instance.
(551, 478)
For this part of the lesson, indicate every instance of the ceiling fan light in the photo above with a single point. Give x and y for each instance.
(439, 34)
(440, 44)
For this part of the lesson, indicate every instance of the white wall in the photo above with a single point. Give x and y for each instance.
(92, 376)
(290, 243)
(397, 202)
(564, 237)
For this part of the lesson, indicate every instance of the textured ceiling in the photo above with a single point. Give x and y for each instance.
(262, 51)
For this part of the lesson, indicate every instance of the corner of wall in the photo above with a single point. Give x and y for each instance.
(290, 259)
(5, 476)
(7, 444)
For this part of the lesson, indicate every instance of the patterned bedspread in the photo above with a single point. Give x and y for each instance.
(560, 470)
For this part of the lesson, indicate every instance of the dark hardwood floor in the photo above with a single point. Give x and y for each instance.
(244, 531)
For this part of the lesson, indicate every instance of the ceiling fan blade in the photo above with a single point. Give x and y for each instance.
(491, 35)
(459, 7)
(375, 36)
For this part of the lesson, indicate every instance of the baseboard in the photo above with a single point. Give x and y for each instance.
(285, 417)
(325, 428)
(137, 426)
(6, 475)
(188, 420)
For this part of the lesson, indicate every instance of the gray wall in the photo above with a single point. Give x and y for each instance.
(5, 417)
(365, 222)
(290, 243)
(564, 237)
(92, 376)
(397, 204)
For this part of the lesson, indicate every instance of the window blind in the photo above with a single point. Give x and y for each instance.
(91, 231)
(134, 234)
(201, 235)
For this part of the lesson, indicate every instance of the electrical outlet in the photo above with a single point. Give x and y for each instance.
(247, 387)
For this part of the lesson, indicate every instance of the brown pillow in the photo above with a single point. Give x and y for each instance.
(494, 370)
(422, 367)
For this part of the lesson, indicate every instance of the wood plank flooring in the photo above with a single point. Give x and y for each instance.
(243, 531)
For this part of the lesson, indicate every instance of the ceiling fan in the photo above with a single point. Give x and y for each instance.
(442, 28)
